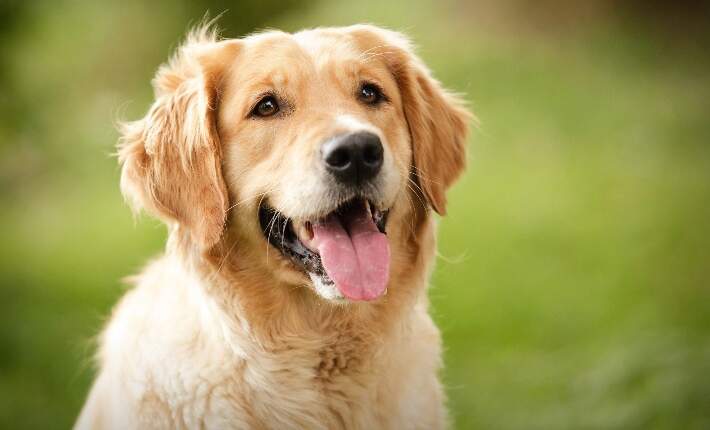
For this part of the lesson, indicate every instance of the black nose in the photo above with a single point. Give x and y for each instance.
(353, 158)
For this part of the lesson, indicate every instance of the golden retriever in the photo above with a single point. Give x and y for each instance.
(297, 175)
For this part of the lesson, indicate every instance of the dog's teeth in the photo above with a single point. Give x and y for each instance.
(373, 211)
(304, 231)
(367, 207)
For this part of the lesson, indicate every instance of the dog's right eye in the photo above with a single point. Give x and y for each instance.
(267, 106)
(370, 94)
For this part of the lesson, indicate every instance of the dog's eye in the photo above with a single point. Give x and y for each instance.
(267, 106)
(370, 94)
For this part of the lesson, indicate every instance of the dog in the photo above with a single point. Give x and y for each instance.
(298, 176)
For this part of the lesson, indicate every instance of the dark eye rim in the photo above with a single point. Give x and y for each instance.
(380, 96)
(254, 111)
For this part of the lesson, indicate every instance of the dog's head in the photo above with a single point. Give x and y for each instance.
(322, 143)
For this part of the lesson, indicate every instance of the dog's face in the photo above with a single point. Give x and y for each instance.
(319, 144)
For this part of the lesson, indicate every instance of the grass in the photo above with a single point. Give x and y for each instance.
(571, 287)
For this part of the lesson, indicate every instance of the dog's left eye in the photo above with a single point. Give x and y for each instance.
(267, 106)
(370, 94)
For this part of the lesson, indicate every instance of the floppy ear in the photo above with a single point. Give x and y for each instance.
(438, 124)
(437, 119)
(172, 157)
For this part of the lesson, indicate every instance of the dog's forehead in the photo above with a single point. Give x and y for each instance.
(320, 47)
(323, 45)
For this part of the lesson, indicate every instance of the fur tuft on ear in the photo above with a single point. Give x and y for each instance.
(438, 120)
(171, 159)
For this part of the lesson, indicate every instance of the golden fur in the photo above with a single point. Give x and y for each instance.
(222, 331)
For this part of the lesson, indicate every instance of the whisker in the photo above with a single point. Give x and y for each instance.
(413, 182)
(410, 202)
(269, 226)
(245, 200)
(262, 195)
(283, 231)
(268, 236)
(261, 200)
(418, 173)
(418, 192)
(221, 263)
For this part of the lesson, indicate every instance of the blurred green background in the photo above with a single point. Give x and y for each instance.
(572, 285)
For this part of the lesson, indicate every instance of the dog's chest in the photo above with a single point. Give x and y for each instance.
(321, 386)
(313, 380)
(285, 387)
(316, 383)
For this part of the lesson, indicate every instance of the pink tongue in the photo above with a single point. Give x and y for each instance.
(354, 253)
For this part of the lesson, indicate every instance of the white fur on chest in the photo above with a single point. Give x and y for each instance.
(170, 359)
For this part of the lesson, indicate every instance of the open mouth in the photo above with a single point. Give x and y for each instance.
(348, 248)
